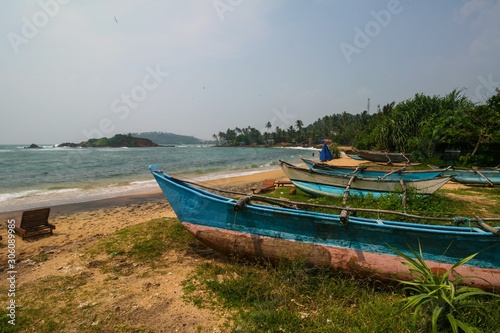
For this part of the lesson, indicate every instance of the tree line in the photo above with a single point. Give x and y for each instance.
(425, 126)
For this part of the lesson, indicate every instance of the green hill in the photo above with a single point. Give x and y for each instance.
(119, 140)
(164, 138)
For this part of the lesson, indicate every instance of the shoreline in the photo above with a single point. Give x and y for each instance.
(238, 181)
(137, 294)
(154, 196)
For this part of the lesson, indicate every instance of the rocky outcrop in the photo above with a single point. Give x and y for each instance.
(117, 141)
(31, 146)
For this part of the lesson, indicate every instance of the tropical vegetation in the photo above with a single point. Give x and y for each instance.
(438, 299)
(423, 125)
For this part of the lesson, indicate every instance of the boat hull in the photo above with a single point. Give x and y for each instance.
(359, 262)
(378, 156)
(330, 184)
(372, 173)
(360, 245)
(475, 177)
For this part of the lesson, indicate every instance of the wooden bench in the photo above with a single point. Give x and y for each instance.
(280, 183)
(34, 222)
(265, 186)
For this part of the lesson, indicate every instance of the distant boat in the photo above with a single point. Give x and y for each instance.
(354, 157)
(380, 156)
(364, 171)
(317, 183)
(247, 229)
(481, 176)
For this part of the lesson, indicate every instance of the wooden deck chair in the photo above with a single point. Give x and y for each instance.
(265, 186)
(34, 222)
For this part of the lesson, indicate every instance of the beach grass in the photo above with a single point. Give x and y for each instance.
(447, 203)
(295, 297)
(59, 303)
(143, 242)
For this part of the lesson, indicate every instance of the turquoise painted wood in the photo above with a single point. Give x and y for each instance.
(256, 229)
(323, 184)
(484, 177)
(373, 173)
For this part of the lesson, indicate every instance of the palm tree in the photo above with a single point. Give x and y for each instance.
(267, 134)
(269, 126)
(299, 124)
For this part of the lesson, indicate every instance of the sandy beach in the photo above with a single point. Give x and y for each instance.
(79, 225)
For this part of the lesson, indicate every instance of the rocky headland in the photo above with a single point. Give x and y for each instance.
(117, 141)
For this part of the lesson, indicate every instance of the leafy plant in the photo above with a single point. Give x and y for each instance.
(433, 295)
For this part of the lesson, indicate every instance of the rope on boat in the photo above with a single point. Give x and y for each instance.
(242, 203)
(300, 205)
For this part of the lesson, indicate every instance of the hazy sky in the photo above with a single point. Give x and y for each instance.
(70, 71)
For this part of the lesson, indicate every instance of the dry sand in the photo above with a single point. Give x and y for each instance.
(78, 225)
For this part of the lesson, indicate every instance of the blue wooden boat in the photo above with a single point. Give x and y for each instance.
(323, 184)
(246, 228)
(355, 157)
(364, 171)
(478, 177)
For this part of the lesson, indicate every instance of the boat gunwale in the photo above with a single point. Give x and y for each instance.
(371, 168)
(331, 218)
(363, 178)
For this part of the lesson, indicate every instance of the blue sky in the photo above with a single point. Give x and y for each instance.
(70, 72)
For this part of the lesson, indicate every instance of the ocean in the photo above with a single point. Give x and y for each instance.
(50, 176)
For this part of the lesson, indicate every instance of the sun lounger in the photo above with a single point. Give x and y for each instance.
(265, 186)
(34, 222)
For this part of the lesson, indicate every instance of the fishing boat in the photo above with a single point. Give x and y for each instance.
(366, 171)
(245, 228)
(386, 157)
(482, 177)
(323, 184)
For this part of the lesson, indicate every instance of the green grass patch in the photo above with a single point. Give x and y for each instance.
(145, 242)
(443, 204)
(41, 257)
(142, 244)
(294, 297)
(46, 305)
